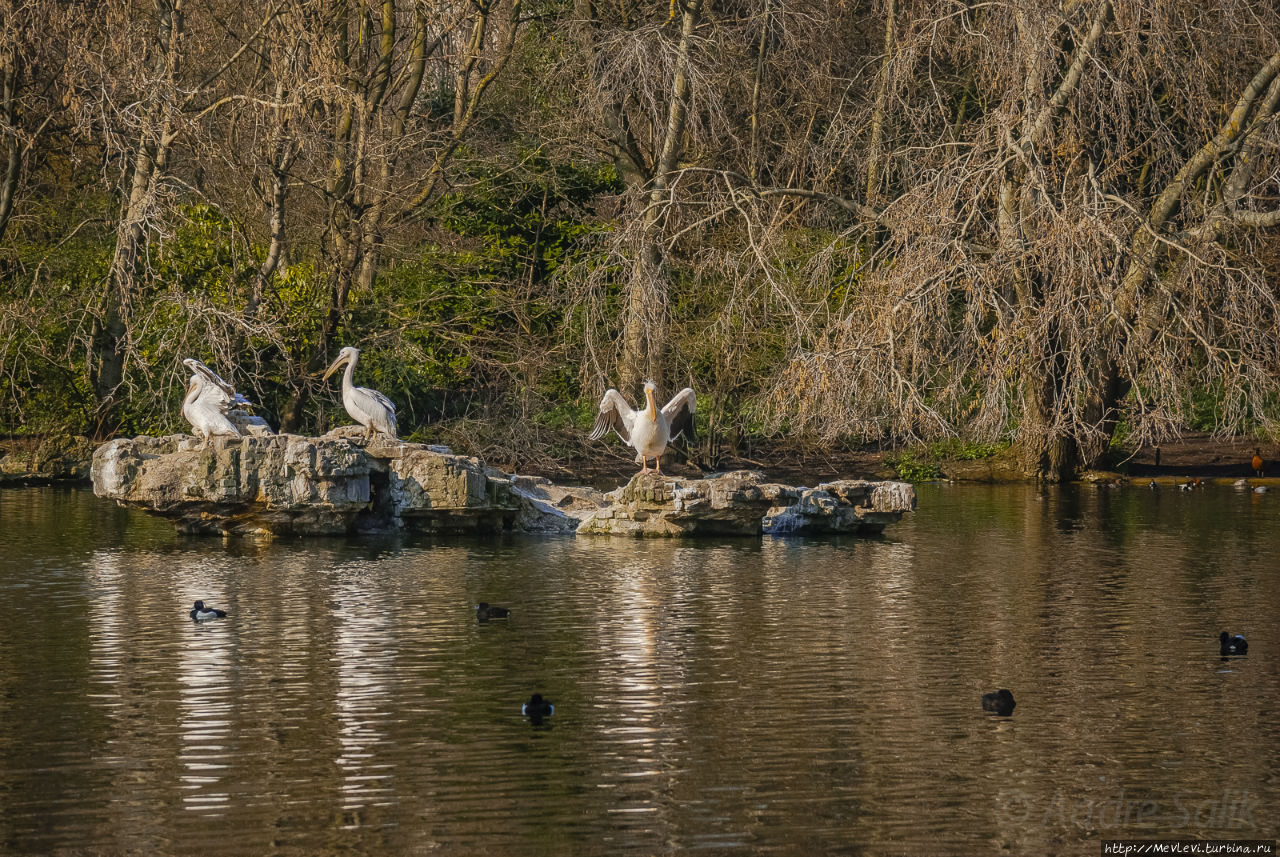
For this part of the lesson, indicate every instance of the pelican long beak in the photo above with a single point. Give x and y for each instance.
(653, 406)
(334, 368)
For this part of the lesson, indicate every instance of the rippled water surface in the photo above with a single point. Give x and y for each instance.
(775, 696)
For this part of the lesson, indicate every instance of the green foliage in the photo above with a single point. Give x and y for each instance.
(42, 363)
(468, 319)
(957, 449)
(924, 463)
(1204, 408)
(911, 469)
(525, 220)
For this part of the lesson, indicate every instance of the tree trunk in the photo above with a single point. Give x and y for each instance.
(110, 343)
(1048, 445)
(10, 80)
(645, 326)
(875, 155)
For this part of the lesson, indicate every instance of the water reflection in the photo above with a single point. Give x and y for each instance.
(779, 695)
(205, 689)
(364, 659)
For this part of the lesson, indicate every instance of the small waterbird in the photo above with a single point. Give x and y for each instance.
(486, 611)
(1228, 645)
(537, 708)
(200, 613)
(999, 702)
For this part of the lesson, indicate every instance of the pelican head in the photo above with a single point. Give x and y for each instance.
(650, 389)
(347, 354)
(191, 363)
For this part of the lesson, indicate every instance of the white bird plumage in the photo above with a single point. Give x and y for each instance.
(208, 401)
(368, 407)
(648, 431)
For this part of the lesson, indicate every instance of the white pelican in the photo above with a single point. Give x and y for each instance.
(368, 407)
(218, 390)
(648, 431)
(207, 403)
(220, 396)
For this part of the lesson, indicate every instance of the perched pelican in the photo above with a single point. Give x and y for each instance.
(208, 400)
(368, 407)
(222, 397)
(233, 399)
(648, 431)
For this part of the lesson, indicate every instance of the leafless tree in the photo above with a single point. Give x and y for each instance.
(1072, 241)
(372, 150)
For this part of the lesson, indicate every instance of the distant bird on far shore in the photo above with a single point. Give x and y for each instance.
(1257, 462)
(1236, 645)
(999, 702)
(486, 611)
(200, 613)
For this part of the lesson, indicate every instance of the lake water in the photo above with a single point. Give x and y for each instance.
(776, 696)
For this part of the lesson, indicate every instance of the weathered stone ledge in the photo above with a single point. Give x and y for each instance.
(745, 503)
(293, 485)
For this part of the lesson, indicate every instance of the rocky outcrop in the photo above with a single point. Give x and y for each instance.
(292, 485)
(58, 458)
(745, 503)
(287, 484)
(848, 506)
(248, 424)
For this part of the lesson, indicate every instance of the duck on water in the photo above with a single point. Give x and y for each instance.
(1228, 645)
(200, 613)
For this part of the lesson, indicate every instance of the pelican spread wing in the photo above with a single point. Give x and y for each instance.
(679, 413)
(216, 389)
(205, 408)
(647, 431)
(614, 414)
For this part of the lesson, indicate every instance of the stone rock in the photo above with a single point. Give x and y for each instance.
(345, 433)
(250, 425)
(745, 503)
(544, 507)
(292, 485)
(276, 484)
(848, 506)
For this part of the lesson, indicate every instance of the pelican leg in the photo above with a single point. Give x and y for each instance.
(657, 464)
(644, 462)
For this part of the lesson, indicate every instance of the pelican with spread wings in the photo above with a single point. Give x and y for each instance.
(650, 430)
(208, 401)
(368, 407)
